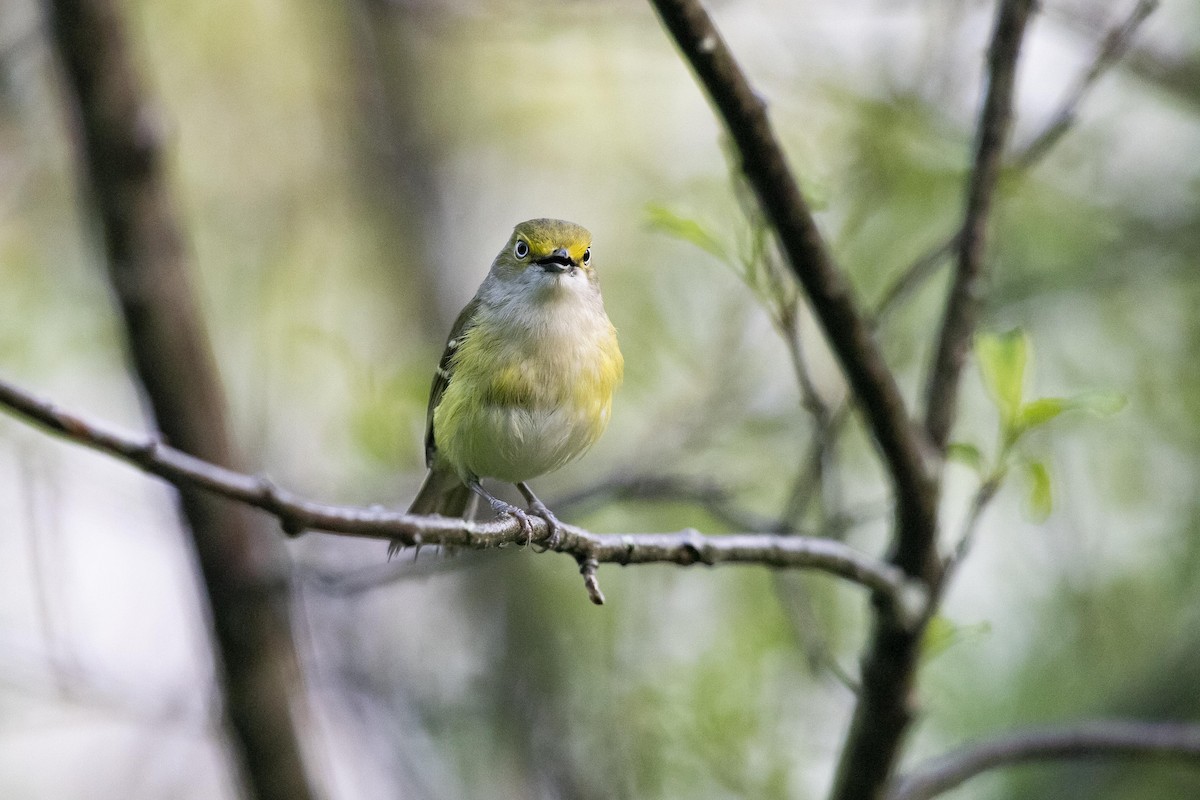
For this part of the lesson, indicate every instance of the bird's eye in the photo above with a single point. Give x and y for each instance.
(587, 256)
(521, 248)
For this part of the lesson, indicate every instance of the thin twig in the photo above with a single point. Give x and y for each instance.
(795, 600)
(966, 292)
(1111, 50)
(709, 495)
(820, 467)
(966, 539)
(1101, 739)
(587, 568)
(913, 277)
(297, 515)
(807, 484)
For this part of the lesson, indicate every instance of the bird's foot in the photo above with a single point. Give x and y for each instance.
(519, 514)
(553, 526)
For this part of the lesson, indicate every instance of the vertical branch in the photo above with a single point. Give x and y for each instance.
(766, 169)
(884, 711)
(966, 291)
(147, 266)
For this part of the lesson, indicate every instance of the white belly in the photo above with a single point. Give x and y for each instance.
(513, 444)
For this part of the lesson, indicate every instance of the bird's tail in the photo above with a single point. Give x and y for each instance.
(443, 492)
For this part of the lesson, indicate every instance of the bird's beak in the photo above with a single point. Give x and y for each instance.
(557, 262)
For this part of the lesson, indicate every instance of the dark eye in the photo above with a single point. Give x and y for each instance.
(587, 256)
(521, 248)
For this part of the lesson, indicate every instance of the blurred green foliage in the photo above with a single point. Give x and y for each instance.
(346, 172)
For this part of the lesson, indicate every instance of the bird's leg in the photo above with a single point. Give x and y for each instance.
(501, 507)
(539, 508)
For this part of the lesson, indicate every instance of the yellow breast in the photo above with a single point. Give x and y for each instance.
(529, 393)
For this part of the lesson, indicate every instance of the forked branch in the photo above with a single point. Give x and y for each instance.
(765, 166)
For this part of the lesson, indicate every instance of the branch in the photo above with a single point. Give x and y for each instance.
(297, 515)
(1112, 49)
(966, 292)
(1101, 739)
(766, 169)
(883, 713)
(966, 539)
(712, 497)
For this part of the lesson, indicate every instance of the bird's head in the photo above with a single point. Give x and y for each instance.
(547, 255)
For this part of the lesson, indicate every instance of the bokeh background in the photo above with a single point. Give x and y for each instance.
(347, 170)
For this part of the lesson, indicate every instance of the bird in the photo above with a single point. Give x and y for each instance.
(526, 381)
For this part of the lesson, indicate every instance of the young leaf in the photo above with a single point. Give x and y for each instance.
(1102, 404)
(685, 229)
(1040, 499)
(1002, 358)
(966, 454)
(941, 633)
(938, 636)
(1040, 411)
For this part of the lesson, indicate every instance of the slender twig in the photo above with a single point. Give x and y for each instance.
(966, 292)
(1112, 49)
(297, 515)
(765, 166)
(1101, 739)
(796, 603)
(913, 277)
(713, 497)
(820, 467)
(966, 539)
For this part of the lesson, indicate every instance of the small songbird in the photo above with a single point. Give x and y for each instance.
(526, 382)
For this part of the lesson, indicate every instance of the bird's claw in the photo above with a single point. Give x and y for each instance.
(523, 520)
(553, 526)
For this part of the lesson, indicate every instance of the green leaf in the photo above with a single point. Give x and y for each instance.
(1040, 499)
(1040, 411)
(942, 632)
(939, 635)
(1102, 404)
(688, 230)
(1002, 359)
(966, 454)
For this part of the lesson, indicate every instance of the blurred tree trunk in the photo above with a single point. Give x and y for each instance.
(119, 146)
(399, 153)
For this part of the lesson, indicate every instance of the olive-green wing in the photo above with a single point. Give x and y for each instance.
(445, 371)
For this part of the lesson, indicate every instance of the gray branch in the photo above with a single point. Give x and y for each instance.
(967, 290)
(1101, 739)
(297, 514)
